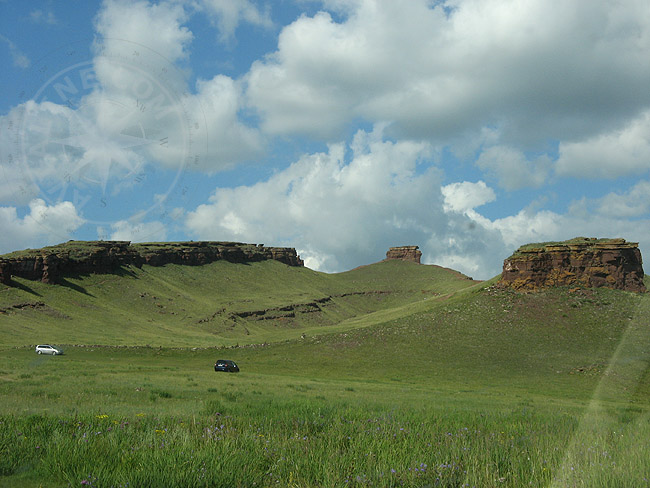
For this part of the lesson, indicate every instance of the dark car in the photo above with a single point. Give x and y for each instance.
(226, 365)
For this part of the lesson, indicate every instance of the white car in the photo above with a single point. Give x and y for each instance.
(47, 349)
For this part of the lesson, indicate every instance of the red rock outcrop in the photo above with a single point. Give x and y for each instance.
(588, 262)
(404, 253)
(203, 252)
(100, 257)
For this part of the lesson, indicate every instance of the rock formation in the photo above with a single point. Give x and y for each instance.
(589, 262)
(404, 253)
(85, 257)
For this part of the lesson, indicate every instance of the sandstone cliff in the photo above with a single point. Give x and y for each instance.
(405, 253)
(85, 257)
(611, 263)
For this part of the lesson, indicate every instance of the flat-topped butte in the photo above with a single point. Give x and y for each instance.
(582, 261)
(50, 263)
(577, 243)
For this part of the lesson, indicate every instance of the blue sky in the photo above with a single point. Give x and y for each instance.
(338, 127)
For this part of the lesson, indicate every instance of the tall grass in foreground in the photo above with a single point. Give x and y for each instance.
(302, 445)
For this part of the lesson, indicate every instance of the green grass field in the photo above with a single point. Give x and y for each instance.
(388, 375)
(189, 306)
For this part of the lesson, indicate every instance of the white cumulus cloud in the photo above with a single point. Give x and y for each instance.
(620, 152)
(461, 197)
(43, 225)
(532, 68)
(346, 207)
(124, 230)
(338, 211)
(157, 27)
(228, 14)
(512, 169)
(207, 115)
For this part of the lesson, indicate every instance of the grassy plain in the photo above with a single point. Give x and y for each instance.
(406, 376)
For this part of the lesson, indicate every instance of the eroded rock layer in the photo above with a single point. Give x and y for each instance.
(588, 262)
(405, 253)
(99, 257)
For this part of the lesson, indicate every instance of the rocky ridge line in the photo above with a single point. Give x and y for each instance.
(289, 311)
(51, 264)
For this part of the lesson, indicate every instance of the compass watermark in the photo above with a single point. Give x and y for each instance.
(113, 135)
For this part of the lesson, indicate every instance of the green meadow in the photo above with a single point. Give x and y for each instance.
(388, 375)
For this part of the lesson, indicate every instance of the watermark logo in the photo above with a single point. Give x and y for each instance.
(113, 134)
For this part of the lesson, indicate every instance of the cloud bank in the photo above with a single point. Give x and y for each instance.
(468, 127)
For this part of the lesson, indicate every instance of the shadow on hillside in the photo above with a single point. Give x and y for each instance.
(122, 271)
(26, 288)
(80, 289)
(117, 272)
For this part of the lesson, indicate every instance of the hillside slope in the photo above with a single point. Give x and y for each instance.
(556, 343)
(216, 304)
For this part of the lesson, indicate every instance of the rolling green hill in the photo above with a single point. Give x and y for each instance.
(216, 304)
